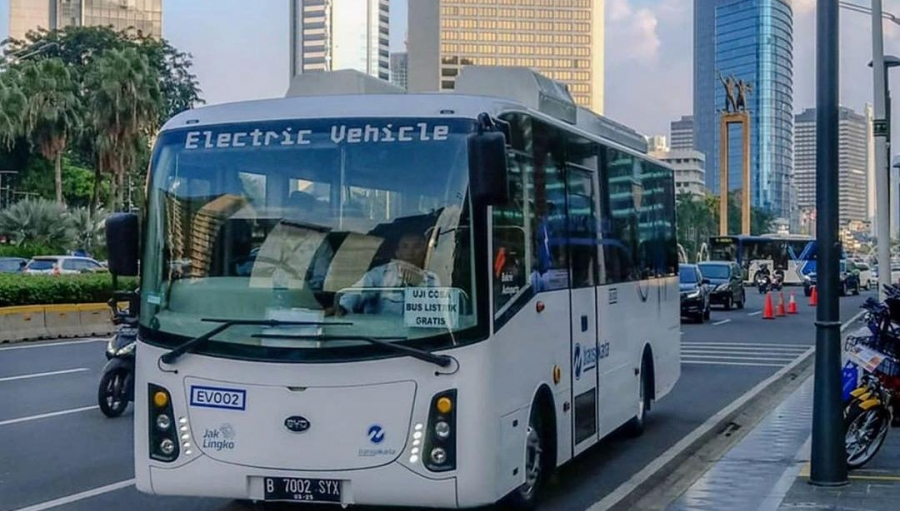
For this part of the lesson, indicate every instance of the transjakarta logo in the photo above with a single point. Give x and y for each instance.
(339, 134)
(584, 360)
(376, 434)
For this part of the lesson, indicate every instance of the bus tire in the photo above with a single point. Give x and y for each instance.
(540, 455)
(635, 427)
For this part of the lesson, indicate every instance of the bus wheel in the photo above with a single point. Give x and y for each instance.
(635, 427)
(525, 497)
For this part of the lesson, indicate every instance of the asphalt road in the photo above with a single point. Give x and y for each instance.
(59, 452)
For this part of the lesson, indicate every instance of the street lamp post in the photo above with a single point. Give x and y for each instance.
(828, 461)
(4, 204)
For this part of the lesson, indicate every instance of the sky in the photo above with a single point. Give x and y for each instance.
(242, 53)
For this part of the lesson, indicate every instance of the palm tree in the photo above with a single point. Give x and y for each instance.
(12, 106)
(124, 100)
(51, 112)
(88, 228)
(37, 222)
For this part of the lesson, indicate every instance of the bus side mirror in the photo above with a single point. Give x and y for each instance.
(122, 244)
(488, 178)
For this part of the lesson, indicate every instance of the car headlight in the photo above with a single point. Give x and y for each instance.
(126, 350)
(694, 294)
(721, 287)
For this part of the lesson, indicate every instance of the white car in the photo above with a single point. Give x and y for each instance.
(59, 265)
(865, 276)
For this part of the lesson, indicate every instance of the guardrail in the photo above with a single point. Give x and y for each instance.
(31, 322)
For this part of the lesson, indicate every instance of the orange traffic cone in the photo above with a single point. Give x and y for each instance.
(780, 310)
(814, 297)
(792, 305)
(768, 313)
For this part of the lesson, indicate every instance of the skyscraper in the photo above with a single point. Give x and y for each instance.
(753, 41)
(562, 40)
(399, 66)
(852, 163)
(327, 35)
(144, 15)
(681, 133)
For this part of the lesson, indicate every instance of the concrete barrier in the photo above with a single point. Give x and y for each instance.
(31, 322)
(23, 323)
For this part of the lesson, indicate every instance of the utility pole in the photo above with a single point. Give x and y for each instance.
(828, 460)
(882, 168)
(5, 204)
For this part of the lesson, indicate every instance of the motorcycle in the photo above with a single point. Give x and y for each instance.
(778, 281)
(116, 387)
(867, 419)
(763, 282)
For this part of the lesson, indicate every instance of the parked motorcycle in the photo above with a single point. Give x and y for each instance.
(116, 388)
(867, 419)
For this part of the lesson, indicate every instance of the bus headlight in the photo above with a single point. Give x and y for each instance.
(163, 437)
(439, 451)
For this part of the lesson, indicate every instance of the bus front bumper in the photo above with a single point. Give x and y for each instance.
(392, 484)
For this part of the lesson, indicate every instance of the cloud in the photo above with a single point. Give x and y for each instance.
(631, 34)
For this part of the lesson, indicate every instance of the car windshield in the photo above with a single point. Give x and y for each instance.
(715, 271)
(9, 265)
(359, 226)
(687, 275)
(41, 264)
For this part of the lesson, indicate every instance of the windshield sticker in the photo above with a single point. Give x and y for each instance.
(431, 307)
(338, 133)
(154, 299)
(212, 397)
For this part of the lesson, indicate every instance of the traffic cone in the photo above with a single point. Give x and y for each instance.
(792, 305)
(780, 310)
(768, 313)
(814, 297)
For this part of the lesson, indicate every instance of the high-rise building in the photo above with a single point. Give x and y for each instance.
(852, 164)
(144, 16)
(681, 133)
(657, 144)
(563, 41)
(399, 68)
(751, 40)
(688, 165)
(327, 35)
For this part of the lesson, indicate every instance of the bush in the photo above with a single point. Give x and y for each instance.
(49, 290)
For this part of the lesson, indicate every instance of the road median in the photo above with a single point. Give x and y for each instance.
(58, 321)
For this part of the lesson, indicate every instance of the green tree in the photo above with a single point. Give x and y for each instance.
(52, 111)
(124, 101)
(88, 228)
(37, 222)
(12, 108)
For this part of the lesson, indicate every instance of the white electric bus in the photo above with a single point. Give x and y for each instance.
(419, 300)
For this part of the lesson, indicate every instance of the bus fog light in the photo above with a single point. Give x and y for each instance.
(167, 447)
(417, 435)
(438, 455)
(413, 459)
(442, 430)
(163, 422)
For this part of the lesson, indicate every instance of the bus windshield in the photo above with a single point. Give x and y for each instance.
(352, 227)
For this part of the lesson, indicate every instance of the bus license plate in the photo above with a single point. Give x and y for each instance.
(301, 489)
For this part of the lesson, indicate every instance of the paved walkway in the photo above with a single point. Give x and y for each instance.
(769, 470)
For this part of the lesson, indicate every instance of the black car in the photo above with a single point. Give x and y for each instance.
(12, 264)
(849, 280)
(694, 290)
(727, 282)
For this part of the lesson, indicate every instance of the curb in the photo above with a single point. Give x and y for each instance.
(57, 321)
(642, 482)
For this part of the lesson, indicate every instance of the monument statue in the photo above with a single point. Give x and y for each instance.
(743, 88)
(729, 84)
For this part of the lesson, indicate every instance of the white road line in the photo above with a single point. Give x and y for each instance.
(33, 345)
(39, 375)
(46, 415)
(773, 345)
(784, 351)
(724, 363)
(717, 323)
(741, 358)
(757, 313)
(78, 496)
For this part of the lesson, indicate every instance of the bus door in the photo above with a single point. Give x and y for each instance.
(582, 241)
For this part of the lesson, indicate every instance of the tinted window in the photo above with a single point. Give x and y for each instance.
(41, 264)
(687, 275)
(72, 264)
(715, 271)
(9, 265)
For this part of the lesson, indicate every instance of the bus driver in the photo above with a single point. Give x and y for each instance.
(405, 269)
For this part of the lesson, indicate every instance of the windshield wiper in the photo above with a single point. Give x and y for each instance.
(173, 355)
(427, 356)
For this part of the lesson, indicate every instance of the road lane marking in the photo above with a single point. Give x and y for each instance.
(752, 349)
(51, 344)
(717, 323)
(750, 358)
(47, 415)
(78, 496)
(690, 440)
(773, 345)
(757, 313)
(40, 375)
(728, 363)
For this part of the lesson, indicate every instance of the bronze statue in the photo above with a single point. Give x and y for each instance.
(728, 83)
(743, 88)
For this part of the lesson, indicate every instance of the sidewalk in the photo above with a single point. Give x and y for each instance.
(769, 470)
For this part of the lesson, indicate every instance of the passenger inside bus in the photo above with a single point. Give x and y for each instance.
(405, 269)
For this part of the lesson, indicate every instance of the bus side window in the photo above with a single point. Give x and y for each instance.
(551, 254)
(619, 191)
